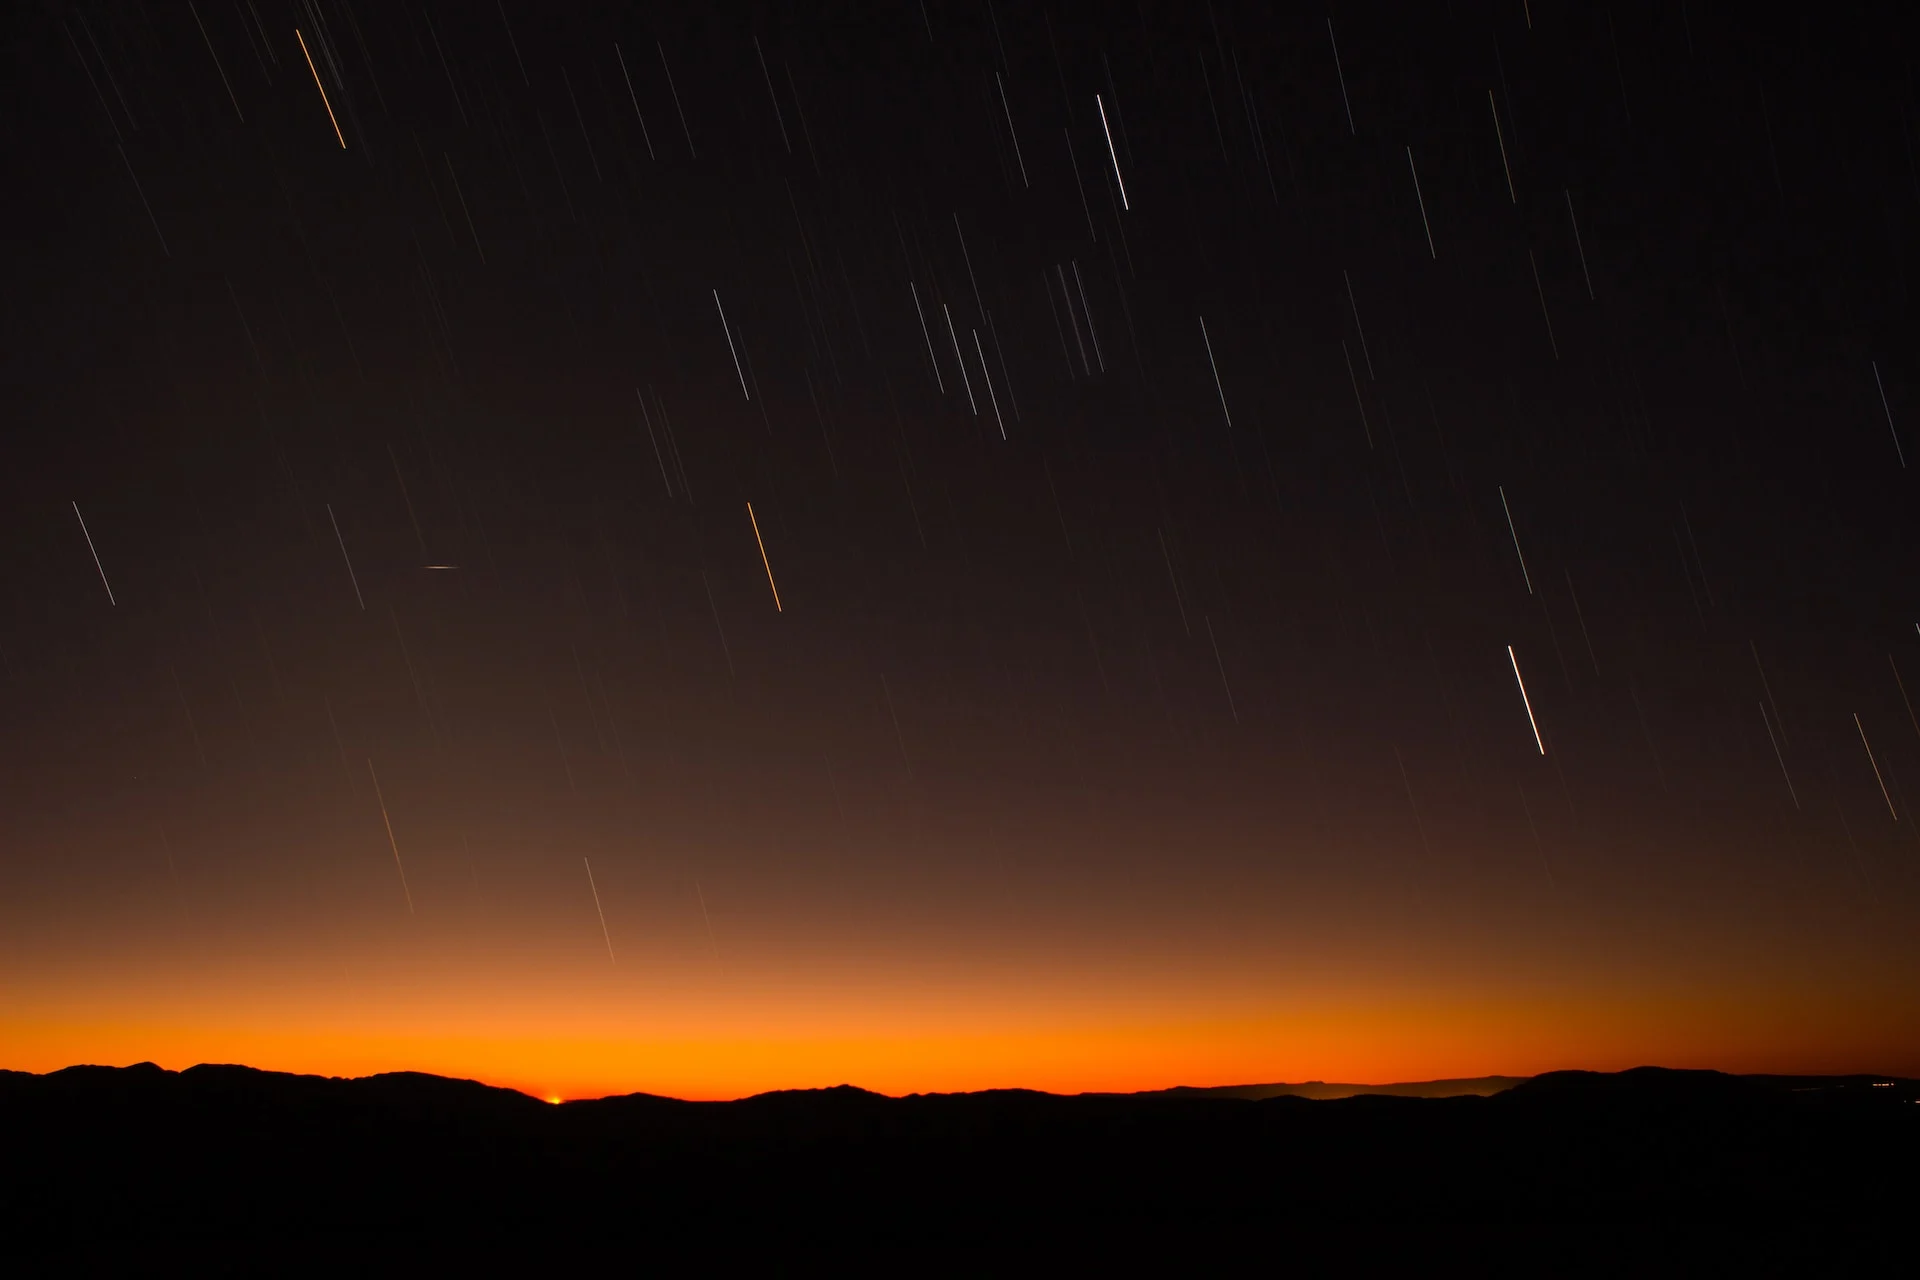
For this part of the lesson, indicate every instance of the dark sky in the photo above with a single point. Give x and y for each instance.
(1165, 434)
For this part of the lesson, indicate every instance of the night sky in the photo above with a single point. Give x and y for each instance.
(958, 545)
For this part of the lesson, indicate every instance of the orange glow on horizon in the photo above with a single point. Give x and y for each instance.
(1361, 1043)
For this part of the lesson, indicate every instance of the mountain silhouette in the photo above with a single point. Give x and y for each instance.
(1480, 1086)
(140, 1152)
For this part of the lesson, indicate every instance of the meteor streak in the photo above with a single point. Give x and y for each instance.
(1344, 99)
(1216, 373)
(728, 330)
(965, 381)
(395, 844)
(1876, 767)
(1018, 158)
(761, 543)
(988, 374)
(96, 555)
(351, 575)
(1882, 387)
(1534, 724)
(1497, 137)
(636, 102)
(1111, 154)
(1425, 225)
(937, 380)
(676, 100)
(602, 914)
(321, 87)
(216, 60)
(1516, 540)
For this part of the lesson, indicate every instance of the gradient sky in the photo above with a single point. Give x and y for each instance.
(1138, 709)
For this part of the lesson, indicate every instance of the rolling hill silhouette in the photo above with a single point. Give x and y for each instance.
(135, 1152)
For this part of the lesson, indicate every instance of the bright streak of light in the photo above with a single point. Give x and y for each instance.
(1112, 154)
(988, 374)
(1876, 767)
(1516, 540)
(351, 575)
(635, 101)
(1344, 99)
(395, 844)
(728, 330)
(216, 60)
(937, 380)
(1889, 412)
(1425, 225)
(1211, 364)
(322, 88)
(761, 543)
(1010, 132)
(603, 915)
(965, 381)
(1532, 723)
(96, 555)
(1501, 139)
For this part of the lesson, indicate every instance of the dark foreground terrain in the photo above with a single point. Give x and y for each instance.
(98, 1154)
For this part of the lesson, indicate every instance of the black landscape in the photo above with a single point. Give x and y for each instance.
(102, 1154)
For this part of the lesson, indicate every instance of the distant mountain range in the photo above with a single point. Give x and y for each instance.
(1478, 1086)
(73, 1077)
(139, 1153)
